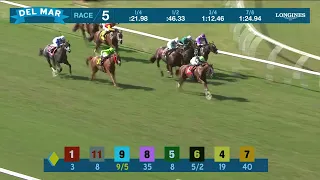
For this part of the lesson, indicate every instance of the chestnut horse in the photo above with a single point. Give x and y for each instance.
(200, 73)
(174, 59)
(108, 66)
(112, 39)
(85, 27)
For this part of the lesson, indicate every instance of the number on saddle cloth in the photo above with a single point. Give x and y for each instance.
(189, 70)
(99, 61)
(51, 50)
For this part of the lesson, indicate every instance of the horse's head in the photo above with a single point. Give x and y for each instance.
(116, 59)
(120, 36)
(67, 46)
(213, 48)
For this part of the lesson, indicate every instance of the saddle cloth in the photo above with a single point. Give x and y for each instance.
(190, 69)
(51, 50)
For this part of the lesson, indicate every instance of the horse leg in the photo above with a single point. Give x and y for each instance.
(181, 81)
(169, 67)
(68, 64)
(94, 70)
(112, 76)
(206, 90)
(97, 46)
(158, 65)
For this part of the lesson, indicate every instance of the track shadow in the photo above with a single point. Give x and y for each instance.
(133, 59)
(209, 82)
(218, 97)
(121, 85)
(242, 76)
(265, 31)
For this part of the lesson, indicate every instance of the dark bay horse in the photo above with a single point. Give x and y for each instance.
(189, 52)
(60, 56)
(174, 59)
(200, 73)
(85, 27)
(108, 66)
(112, 39)
(206, 49)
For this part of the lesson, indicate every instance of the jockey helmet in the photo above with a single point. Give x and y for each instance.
(62, 37)
(203, 35)
(189, 37)
(176, 39)
(201, 58)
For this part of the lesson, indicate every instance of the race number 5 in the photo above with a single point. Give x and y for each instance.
(105, 15)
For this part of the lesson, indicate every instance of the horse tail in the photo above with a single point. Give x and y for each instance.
(155, 56)
(88, 59)
(40, 52)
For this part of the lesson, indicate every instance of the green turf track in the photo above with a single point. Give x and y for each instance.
(41, 114)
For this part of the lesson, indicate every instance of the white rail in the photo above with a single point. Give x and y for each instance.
(220, 51)
(252, 29)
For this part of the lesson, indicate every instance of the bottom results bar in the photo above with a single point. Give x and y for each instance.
(160, 165)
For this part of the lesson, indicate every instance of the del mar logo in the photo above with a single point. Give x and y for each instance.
(25, 15)
(290, 16)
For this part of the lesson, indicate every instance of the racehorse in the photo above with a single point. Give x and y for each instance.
(206, 49)
(85, 27)
(174, 59)
(189, 52)
(112, 39)
(59, 55)
(108, 66)
(200, 73)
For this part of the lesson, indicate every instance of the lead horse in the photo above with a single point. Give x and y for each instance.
(206, 49)
(59, 55)
(200, 73)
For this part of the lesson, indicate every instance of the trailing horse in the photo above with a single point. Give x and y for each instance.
(174, 59)
(85, 27)
(55, 56)
(111, 39)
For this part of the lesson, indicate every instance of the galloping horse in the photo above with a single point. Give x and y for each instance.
(199, 72)
(174, 59)
(189, 52)
(59, 55)
(112, 39)
(108, 66)
(89, 28)
(206, 49)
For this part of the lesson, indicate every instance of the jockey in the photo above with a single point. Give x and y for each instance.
(104, 54)
(200, 39)
(57, 41)
(107, 27)
(171, 45)
(197, 60)
(186, 40)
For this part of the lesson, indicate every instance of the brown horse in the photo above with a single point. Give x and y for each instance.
(174, 59)
(108, 66)
(206, 49)
(112, 39)
(200, 73)
(85, 27)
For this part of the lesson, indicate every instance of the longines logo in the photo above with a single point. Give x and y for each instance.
(290, 16)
